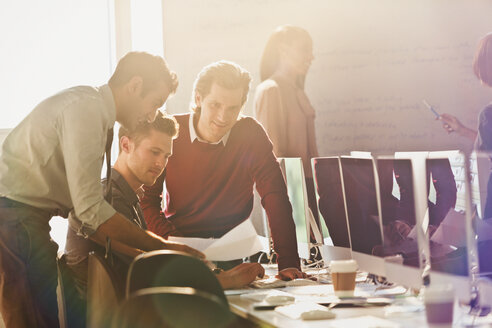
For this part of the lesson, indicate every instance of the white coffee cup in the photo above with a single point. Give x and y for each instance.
(439, 304)
(343, 274)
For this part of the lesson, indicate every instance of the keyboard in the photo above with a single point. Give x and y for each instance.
(277, 283)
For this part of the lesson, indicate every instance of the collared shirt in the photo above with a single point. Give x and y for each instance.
(125, 201)
(52, 160)
(194, 135)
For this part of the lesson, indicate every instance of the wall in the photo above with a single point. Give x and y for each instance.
(374, 62)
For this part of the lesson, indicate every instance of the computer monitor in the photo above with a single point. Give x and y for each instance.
(396, 199)
(259, 219)
(480, 168)
(448, 226)
(296, 188)
(361, 206)
(481, 199)
(329, 197)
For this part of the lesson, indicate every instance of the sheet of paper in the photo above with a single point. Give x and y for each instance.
(451, 231)
(241, 241)
(197, 243)
(413, 233)
(484, 229)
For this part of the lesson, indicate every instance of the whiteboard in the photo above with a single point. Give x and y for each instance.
(375, 60)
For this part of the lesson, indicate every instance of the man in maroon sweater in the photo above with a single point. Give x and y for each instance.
(218, 157)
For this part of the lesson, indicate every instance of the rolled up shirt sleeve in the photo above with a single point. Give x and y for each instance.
(82, 140)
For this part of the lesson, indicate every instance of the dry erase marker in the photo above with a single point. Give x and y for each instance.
(431, 108)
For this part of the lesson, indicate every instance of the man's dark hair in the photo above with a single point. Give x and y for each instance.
(163, 123)
(152, 69)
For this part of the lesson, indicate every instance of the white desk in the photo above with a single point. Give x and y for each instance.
(244, 308)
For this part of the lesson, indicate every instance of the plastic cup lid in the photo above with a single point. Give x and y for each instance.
(343, 266)
(439, 293)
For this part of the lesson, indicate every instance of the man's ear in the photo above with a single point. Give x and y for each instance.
(135, 85)
(198, 100)
(125, 144)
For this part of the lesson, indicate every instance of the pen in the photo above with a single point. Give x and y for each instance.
(431, 108)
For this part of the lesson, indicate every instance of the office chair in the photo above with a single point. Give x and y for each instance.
(173, 307)
(171, 268)
(104, 292)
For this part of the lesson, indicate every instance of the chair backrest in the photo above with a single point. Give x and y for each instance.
(71, 308)
(171, 268)
(104, 292)
(173, 307)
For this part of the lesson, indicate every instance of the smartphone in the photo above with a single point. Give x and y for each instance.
(431, 108)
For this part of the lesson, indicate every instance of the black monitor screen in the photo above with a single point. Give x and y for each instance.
(330, 201)
(446, 212)
(398, 210)
(362, 207)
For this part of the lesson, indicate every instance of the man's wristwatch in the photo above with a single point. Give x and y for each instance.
(217, 270)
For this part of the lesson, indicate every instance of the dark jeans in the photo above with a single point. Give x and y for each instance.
(119, 266)
(28, 276)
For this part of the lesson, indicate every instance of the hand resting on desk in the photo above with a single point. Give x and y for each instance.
(241, 275)
(245, 273)
(291, 273)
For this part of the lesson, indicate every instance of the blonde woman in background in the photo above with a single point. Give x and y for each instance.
(281, 105)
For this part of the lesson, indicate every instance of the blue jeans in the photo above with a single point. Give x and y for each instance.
(28, 276)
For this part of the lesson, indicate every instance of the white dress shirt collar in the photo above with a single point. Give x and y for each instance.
(194, 135)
